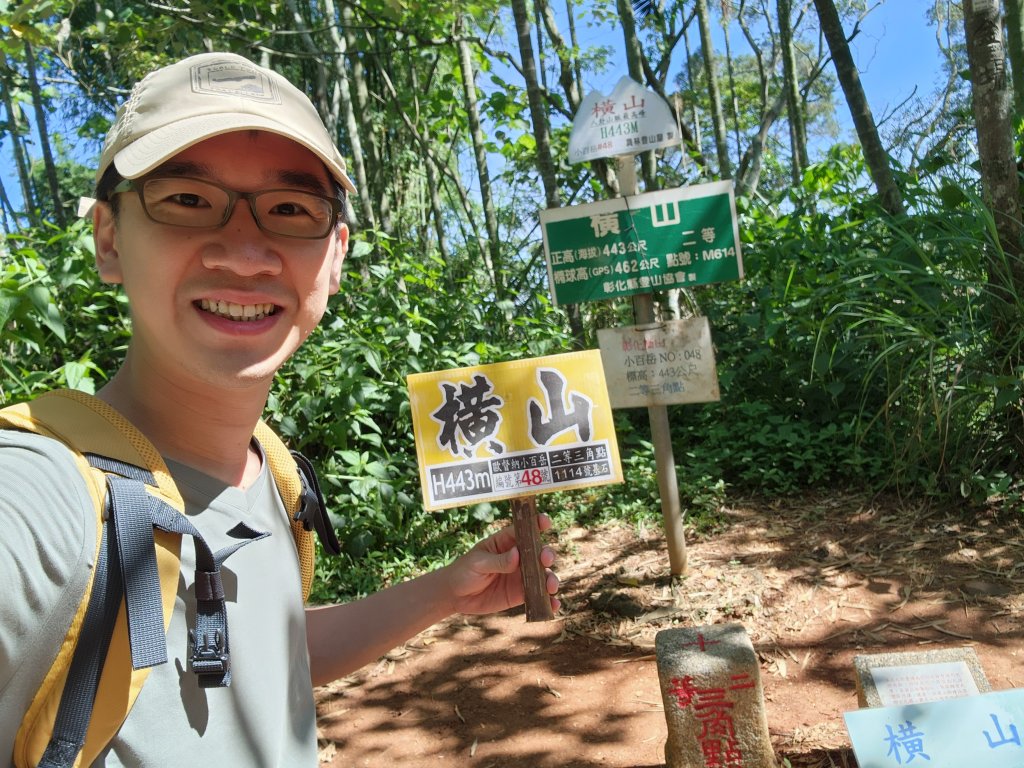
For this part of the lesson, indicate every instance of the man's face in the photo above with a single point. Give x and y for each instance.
(222, 307)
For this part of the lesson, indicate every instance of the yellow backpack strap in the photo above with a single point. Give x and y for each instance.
(296, 481)
(90, 426)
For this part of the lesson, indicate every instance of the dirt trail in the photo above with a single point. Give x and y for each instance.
(814, 582)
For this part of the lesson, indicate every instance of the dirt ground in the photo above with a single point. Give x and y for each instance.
(814, 583)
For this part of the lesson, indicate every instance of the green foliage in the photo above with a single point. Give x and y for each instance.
(942, 376)
(857, 350)
(862, 350)
(59, 326)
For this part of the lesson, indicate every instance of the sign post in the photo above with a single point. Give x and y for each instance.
(635, 244)
(657, 415)
(510, 431)
(535, 593)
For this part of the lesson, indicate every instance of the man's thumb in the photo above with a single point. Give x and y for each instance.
(507, 561)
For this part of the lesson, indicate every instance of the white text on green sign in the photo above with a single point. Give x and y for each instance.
(642, 243)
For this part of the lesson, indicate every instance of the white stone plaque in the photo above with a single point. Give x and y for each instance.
(917, 683)
(662, 364)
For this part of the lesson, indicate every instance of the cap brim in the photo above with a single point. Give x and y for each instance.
(156, 147)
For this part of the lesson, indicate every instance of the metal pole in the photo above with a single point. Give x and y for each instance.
(661, 436)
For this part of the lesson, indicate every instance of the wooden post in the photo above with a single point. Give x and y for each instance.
(524, 521)
(661, 437)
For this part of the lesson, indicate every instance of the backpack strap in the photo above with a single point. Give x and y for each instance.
(300, 491)
(119, 453)
(75, 710)
(87, 425)
(126, 566)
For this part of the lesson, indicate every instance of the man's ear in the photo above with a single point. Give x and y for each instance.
(104, 236)
(338, 257)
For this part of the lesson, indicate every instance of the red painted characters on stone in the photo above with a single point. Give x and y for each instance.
(713, 709)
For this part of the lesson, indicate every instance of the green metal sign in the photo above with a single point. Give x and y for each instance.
(642, 243)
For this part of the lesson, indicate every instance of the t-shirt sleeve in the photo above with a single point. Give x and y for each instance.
(46, 551)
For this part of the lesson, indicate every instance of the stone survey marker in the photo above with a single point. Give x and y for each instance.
(891, 679)
(714, 702)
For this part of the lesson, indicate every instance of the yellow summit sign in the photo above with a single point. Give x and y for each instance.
(513, 429)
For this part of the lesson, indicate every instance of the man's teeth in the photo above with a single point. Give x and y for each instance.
(242, 312)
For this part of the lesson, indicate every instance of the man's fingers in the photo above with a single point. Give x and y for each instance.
(547, 557)
(552, 583)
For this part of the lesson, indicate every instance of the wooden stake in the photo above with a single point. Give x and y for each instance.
(524, 521)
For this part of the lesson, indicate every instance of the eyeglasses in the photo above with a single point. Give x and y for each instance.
(187, 202)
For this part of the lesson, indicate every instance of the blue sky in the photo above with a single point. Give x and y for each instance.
(894, 52)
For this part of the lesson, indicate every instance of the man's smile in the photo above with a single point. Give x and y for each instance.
(240, 312)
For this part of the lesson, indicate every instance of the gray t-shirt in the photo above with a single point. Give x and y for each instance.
(266, 717)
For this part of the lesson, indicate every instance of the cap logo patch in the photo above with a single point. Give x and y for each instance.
(229, 78)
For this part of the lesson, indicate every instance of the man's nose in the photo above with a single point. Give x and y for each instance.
(243, 246)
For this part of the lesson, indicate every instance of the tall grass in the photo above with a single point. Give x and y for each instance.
(936, 330)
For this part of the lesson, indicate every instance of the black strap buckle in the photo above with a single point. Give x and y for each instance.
(209, 655)
(312, 509)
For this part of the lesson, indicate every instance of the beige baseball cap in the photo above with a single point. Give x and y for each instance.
(206, 95)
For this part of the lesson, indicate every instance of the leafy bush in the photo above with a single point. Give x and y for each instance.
(59, 325)
(863, 350)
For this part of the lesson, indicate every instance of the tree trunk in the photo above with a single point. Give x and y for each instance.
(538, 113)
(8, 216)
(14, 130)
(1015, 47)
(730, 69)
(49, 167)
(376, 173)
(794, 104)
(542, 135)
(348, 115)
(570, 14)
(493, 254)
(874, 153)
(717, 115)
(430, 168)
(566, 73)
(994, 125)
(753, 159)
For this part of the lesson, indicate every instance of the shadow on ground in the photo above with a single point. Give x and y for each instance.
(814, 582)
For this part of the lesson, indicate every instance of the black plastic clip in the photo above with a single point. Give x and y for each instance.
(312, 510)
(210, 656)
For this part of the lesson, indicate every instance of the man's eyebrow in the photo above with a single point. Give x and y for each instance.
(181, 168)
(285, 177)
(303, 180)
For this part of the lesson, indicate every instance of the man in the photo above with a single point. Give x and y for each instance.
(220, 210)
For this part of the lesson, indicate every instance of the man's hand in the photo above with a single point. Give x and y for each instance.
(487, 579)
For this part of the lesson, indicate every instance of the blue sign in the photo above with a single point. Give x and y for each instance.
(978, 731)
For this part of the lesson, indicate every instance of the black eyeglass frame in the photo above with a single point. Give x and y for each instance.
(136, 185)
